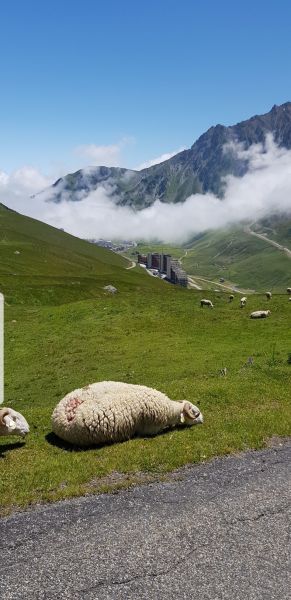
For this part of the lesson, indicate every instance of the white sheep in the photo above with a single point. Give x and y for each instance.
(205, 302)
(12, 423)
(288, 290)
(110, 411)
(260, 314)
(268, 295)
(243, 301)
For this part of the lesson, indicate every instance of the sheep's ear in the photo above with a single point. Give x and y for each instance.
(3, 414)
(188, 410)
(9, 423)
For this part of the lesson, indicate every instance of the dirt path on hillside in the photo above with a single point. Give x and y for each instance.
(263, 237)
(183, 256)
(192, 283)
(222, 285)
(132, 262)
(132, 265)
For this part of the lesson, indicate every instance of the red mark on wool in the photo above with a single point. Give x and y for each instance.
(71, 407)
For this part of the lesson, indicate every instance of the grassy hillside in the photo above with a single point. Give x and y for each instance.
(42, 265)
(239, 258)
(149, 332)
(247, 261)
(277, 228)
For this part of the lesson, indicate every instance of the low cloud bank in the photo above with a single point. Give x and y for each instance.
(265, 189)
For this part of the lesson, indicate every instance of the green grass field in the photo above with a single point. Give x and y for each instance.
(61, 334)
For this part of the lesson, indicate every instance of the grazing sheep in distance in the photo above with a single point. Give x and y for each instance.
(260, 314)
(243, 301)
(268, 295)
(288, 290)
(12, 423)
(111, 411)
(231, 297)
(205, 302)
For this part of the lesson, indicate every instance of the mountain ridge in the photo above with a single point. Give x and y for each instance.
(199, 169)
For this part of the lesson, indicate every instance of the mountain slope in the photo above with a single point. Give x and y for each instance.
(243, 260)
(198, 169)
(40, 264)
(237, 256)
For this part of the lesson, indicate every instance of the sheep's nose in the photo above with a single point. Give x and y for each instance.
(199, 417)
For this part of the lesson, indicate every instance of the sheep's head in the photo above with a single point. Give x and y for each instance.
(12, 423)
(190, 414)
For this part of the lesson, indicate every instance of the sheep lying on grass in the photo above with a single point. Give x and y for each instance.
(205, 302)
(260, 314)
(12, 423)
(110, 411)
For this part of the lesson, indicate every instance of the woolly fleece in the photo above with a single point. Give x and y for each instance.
(111, 411)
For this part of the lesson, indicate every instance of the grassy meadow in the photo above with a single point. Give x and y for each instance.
(63, 331)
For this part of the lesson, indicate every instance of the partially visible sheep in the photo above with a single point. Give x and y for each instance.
(12, 423)
(110, 411)
(205, 302)
(260, 314)
(231, 297)
(288, 290)
(110, 288)
(268, 295)
(243, 301)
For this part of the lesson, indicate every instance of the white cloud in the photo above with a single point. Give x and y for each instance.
(107, 156)
(156, 161)
(265, 189)
(18, 186)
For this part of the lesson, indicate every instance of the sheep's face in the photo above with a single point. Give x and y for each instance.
(191, 414)
(12, 423)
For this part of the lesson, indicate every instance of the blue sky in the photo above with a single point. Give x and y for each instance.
(128, 81)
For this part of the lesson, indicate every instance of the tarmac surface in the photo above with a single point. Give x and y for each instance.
(219, 531)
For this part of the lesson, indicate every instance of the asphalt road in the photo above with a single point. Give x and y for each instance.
(222, 531)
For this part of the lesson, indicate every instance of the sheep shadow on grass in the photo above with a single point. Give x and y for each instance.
(54, 440)
(7, 447)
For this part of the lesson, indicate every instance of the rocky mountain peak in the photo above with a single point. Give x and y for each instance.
(199, 169)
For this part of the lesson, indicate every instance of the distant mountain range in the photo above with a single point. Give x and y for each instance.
(199, 169)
